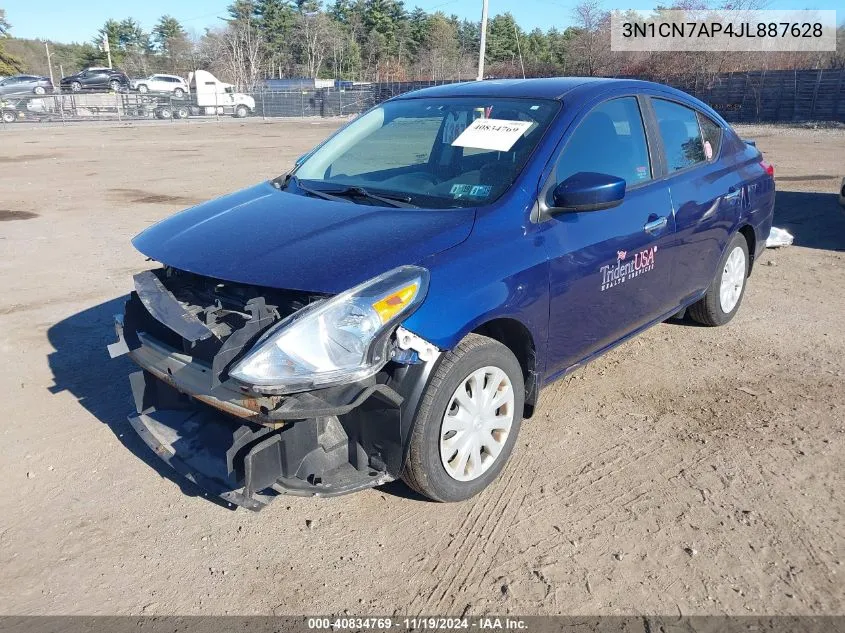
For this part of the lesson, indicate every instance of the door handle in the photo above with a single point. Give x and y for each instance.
(655, 225)
(733, 194)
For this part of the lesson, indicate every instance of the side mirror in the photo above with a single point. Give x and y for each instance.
(588, 191)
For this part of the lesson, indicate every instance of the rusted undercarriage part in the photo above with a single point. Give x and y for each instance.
(247, 447)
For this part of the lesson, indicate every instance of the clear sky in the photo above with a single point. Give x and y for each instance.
(64, 21)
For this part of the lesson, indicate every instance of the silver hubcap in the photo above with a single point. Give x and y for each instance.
(477, 423)
(733, 277)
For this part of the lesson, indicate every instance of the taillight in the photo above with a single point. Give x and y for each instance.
(768, 167)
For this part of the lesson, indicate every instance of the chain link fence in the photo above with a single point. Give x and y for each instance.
(751, 97)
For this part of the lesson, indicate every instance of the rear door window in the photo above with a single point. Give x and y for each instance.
(681, 134)
(610, 140)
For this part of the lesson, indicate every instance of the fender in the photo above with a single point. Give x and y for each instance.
(511, 255)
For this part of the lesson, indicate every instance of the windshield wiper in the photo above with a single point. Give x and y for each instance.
(325, 195)
(391, 200)
(344, 193)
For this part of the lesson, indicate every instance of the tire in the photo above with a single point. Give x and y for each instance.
(114, 85)
(181, 112)
(241, 111)
(39, 90)
(142, 88)
(711, 309)
(178, 93)
(75, 86)
(8, 116)
(164, 113)
(425, 468)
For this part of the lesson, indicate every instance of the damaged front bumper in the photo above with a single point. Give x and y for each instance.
(248, 448)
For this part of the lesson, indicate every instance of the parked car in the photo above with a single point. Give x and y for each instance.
(25, 84)
(393, 306)
(96, 78)
(161, 83)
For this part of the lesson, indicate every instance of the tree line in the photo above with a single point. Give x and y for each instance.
(382, 40)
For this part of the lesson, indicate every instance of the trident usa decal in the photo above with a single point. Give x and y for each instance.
(627, 268)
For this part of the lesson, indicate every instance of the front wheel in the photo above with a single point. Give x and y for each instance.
(724, 296)
(75, 86)
(9, 116)
(241, 111)
(467, 422)
(114, 85)
(178, 93)
(143, 89)
(39, 90)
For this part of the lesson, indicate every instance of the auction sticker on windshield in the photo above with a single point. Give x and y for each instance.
(493, 134)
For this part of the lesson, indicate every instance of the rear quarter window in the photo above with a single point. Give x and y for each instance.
(711, 133)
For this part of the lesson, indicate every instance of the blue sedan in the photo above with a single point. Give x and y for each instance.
(394, 305)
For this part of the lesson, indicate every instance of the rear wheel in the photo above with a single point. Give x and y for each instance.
(467, 422)
(178, 93)
(724, 296)
(142, 88)
(8, 116)
(164, 113)
(181, 113)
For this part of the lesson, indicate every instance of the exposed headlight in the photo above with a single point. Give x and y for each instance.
(341, 339)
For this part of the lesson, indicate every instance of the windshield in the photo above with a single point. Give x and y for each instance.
(436, 153)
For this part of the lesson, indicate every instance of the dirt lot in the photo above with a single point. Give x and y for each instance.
(692, 470)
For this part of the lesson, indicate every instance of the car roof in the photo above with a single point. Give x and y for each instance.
(558, 88)
(545, 88)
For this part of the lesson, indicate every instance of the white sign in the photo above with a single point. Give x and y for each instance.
(494, 134)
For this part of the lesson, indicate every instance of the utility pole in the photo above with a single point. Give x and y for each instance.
(483, 40)
(49, 63)
(106, 48)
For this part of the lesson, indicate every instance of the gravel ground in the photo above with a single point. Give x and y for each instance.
(691, 470)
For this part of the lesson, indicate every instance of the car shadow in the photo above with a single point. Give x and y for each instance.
(81, 366)
(815, 219)
(400, 489)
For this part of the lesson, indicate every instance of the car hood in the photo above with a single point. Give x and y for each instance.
(272, 238)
